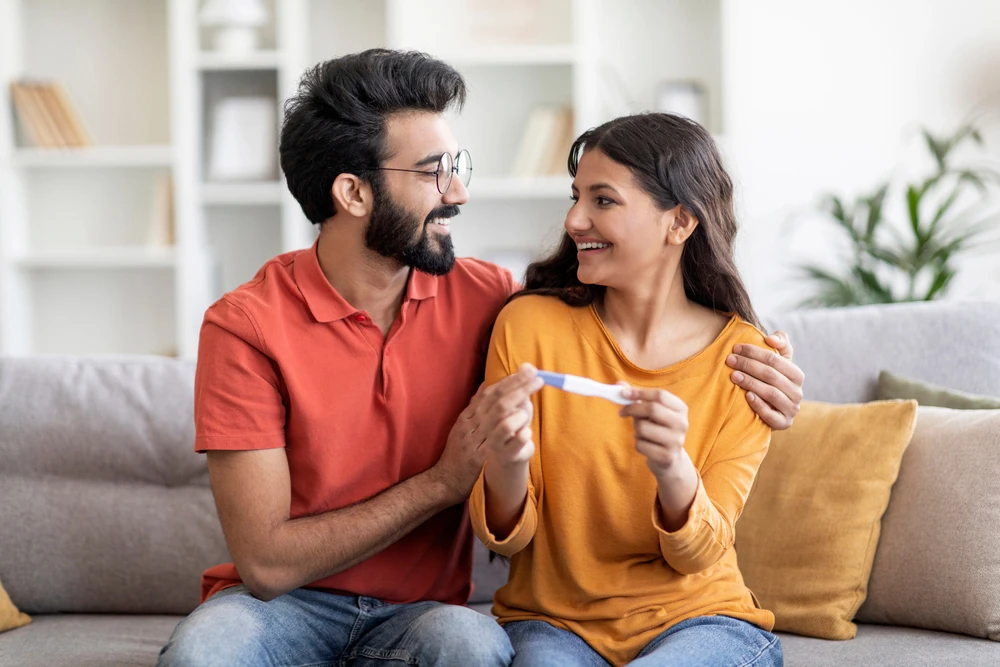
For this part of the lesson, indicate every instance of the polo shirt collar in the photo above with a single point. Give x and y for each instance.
(325, 302)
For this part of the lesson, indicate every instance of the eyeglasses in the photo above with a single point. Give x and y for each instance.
(446, 170)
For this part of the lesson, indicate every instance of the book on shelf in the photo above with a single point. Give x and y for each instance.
(545, 143)
(48, 116)
(160, 232)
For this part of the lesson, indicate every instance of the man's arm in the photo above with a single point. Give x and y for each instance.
(275, 554)
(772, 381)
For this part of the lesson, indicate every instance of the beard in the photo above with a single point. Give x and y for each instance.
(391, 232)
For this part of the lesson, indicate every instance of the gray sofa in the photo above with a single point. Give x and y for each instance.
(107, 519)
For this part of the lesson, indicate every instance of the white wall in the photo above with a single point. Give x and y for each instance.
(829, 96)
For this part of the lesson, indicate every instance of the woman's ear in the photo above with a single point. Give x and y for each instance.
(682, 226)
(352, 195)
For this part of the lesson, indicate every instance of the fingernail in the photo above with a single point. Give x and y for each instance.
(738, 377)
(751, 397)
(738, 349)
(731, 359)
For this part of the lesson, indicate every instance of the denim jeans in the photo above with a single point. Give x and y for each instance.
(708, 641)
(307, 627)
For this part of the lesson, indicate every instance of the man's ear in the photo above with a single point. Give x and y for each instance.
(352, 195)
(682, 226)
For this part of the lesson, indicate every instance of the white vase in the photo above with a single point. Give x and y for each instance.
(236, 40)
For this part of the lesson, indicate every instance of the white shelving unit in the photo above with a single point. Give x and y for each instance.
(76, 274)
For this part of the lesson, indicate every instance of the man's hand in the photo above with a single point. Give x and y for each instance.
(498, 420)
(772, 381)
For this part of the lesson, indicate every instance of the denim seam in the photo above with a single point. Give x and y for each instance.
(398, 655)
(355, 634)
(761, 653)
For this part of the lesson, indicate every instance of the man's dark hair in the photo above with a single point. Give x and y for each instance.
(336, 122)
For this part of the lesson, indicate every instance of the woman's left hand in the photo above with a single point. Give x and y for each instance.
(661, 424)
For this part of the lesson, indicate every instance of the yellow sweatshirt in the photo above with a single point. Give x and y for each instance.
(589, 554)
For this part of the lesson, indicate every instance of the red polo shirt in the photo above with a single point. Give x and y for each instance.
(285, 361)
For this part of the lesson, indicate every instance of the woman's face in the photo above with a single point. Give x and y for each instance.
(621, 235)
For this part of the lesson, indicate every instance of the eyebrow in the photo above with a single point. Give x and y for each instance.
(433, 158)
(429, 160)
(599, 186)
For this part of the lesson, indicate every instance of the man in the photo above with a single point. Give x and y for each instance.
(336, 395)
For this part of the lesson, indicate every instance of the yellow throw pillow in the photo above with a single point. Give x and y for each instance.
(806, 540)
(10, 616)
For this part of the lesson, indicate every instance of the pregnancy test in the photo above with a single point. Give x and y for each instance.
(584, 386)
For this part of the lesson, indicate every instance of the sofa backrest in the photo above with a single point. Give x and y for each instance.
(956, 345)
(104, 506)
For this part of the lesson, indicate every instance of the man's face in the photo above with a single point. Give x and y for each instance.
(410, 218)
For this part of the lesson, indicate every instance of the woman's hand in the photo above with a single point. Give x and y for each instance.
(506, 417)
(661, 424)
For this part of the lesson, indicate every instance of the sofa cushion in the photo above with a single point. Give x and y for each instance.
(106, 506)
(879, 646)
(10, 616)
(842, 350)
(87, 640)
(807, 536)
(892, 386)
(938, 560)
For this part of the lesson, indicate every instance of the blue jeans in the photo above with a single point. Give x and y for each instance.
(307, 627)
(708, 641)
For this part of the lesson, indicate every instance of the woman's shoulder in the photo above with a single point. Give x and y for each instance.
(742, 332)
(535, 310)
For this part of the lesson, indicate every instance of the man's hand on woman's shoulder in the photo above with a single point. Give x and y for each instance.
(772, 381)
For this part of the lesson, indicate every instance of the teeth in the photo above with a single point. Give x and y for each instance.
(440, 221)
(591, 246)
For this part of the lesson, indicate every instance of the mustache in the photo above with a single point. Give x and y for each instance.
(449, 211)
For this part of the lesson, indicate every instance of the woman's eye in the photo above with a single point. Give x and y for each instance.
(574, 198)
(604, 201)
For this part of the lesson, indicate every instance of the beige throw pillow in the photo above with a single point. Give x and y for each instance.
(938, 561)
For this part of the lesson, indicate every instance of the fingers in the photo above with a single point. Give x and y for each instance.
(507, 396)
(660, 396)
(779, 341)
(776, 419)
(769, 369)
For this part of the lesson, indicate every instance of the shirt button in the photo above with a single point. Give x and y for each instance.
(361, 318)
(387, 352)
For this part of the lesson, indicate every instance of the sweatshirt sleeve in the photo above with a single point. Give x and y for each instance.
(500, 364)
(724, 485)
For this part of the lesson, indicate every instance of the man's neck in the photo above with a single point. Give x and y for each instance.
(366, 280)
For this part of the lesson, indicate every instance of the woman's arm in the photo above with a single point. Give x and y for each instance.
(696, 512)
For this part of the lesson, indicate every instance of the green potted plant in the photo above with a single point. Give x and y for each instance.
(888, 263)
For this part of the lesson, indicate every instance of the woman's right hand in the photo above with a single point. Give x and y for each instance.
(509, 437)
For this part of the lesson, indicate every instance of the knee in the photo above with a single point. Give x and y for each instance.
(223, 635)
(453, 635)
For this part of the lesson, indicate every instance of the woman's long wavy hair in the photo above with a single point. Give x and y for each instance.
(675, 161)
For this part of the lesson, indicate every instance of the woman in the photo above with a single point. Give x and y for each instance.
(620, 523)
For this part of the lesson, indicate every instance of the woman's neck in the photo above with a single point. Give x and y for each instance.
(654, 323)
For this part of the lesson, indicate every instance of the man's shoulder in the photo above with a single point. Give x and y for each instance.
(478, 276)
(241, 310)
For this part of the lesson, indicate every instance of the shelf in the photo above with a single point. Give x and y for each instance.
(208, 60)
(512, 55)
(242, 194)
(125, 257)
(513, 187)
(97, 156)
